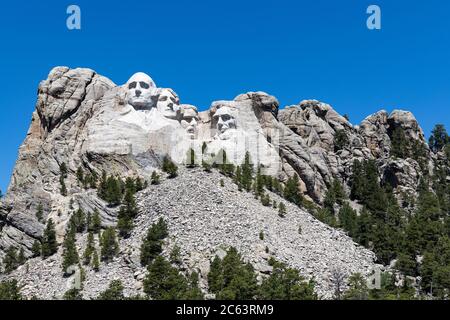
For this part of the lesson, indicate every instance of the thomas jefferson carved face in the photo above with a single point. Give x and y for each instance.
(189, 118)
(168, 103)
(140, 89)
(225, 119)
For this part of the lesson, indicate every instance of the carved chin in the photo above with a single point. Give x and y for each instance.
(140, 104)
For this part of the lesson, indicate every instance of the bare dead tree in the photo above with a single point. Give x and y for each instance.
(338, 281)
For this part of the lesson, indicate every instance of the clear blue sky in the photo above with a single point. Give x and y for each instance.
(210, 50)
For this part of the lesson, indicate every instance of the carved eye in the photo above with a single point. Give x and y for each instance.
(132, 85)
(144, 85)
(173, 100)
(163, 98)
(225, 117)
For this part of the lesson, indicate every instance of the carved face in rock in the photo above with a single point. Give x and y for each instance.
(189, 118)
(225, 119)
(168, 103)
(140, 89)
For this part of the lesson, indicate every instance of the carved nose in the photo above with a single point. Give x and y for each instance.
(138, 93)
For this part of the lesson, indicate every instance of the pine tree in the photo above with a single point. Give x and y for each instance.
(10, 261)
(10, 290)
(21, 259)
(170, 167)
(70, 253)
(80, 175)
(40, 212)
(439, 138)
(78, 221)
(63, 188)
(347, 219)
(292, 191)
(114, 291)
(175, 257)
(152, 243)
(281, 210)
(190, 158)
(96, 222)
(95, 261)
(340, 140)
(49, 244)
(63, 175)
(358, 289)
(36, 248)
(247, 173)
(127, 213)
(109, 245)
(90, 248)
(399, 144)
(155, 178)
(238, 178)
(164, 282)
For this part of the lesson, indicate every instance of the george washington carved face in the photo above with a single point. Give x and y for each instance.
(140, 89)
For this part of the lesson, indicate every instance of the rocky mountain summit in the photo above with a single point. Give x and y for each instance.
(83, 121)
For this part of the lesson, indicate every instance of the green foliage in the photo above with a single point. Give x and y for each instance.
(232, 278)
(109, 245)
(40, 212)
(175, 255)
(341, 140)
(292, 190)
(128, 211)
(10, 260)
(62, 176)
(36, 248)
(155, 178)
(90, 248)
(348, 219)
(261, 235)
(9, 290)
(265, 200)
(114, 291)
(247, 173)
(170, 167)
(95, 261)
(152, 244)
(78, 221)
(165, 282)
(282, 210)
(73, 294)
(326, 216)
(286, 284)
(191, 159)
(95, 223)
(70, 252)
(400, 146)
(358, 289)
(439, 138)
(49, 244)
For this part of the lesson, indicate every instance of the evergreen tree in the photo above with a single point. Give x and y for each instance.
(40, 212)
(96, 222)
(399, 144)
(348, 219)
(190, 158)
(164, 282)
(109, 245)
(340, 140)
(175, 257)
(78, 221)
(439, 138)
(9, 290)
(292, 191)
(90, 248)
(281, 210)
(73, 294)
(152, 243)
(114, 291)
(95, 261)
(10, 261)
(238, 178)
(36, 248)
(286, 284)
(21, 259)
(358, 289)
(127, 213)
(232, 278)
(80, 175)
(170, 167)
(155, 178)
(63, 175)
(247, 173)
(70, 253)
(49, 244)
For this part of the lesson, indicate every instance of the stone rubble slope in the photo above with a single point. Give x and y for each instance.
(204, 219)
